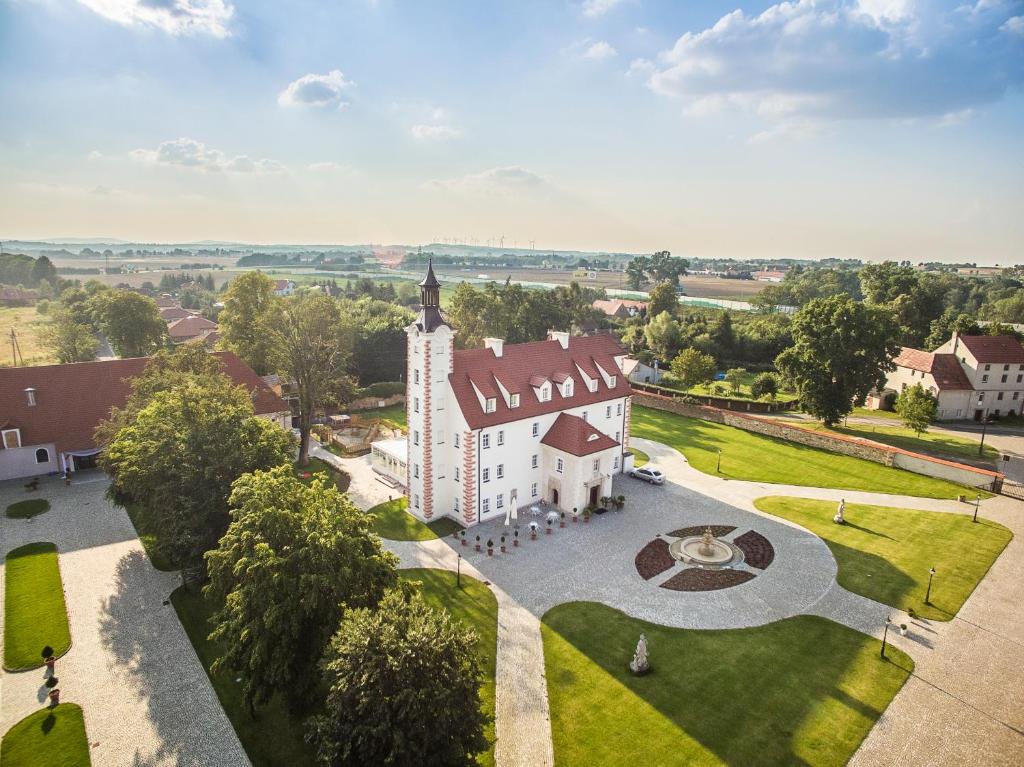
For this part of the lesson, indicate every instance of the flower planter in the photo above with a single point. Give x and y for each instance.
(533, 535)
(490, 552)
(54, 697)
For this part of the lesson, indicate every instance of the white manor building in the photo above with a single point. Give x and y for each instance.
(510, 425)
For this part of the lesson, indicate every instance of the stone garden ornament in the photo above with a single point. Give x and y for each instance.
(838, 518)
(640, 664)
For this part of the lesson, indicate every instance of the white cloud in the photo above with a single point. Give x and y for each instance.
(1013, 26)
(641, 68)
(425, 132)
(175, 17)
(828, 59)
(599, 50)
(189, 153)
(796, 130)
(506, 181)
(952, 119)
(95, 154)
(594, 8)
(316, 90)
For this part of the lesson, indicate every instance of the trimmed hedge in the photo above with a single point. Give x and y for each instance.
(29, 508)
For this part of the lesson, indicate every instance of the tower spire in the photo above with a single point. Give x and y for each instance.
(430, 301)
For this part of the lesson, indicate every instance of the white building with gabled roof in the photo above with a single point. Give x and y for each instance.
(510, 424)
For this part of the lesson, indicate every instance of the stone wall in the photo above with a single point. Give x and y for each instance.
(369, 403)
(835, 443)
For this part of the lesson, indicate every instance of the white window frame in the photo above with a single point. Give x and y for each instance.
(415, 471)
(533, 461)
(485, 475)
(567, 387)
(416, 500)
(415, 436)
(500, 501)
(456, 472)
(485, 506)
(608, 411)
(560, 465)
(597, 465)
(415, 404)
(485, 441)
(513, 400)
(618, 409)
(536, 428)
(416, 375)
(501, 437)
(533, 490)
(456, 439)
(46, 452)
(17, 437)
(500, 471)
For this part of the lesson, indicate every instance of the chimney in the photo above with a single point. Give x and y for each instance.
(497, 345)
(561, 336)
(30, 395)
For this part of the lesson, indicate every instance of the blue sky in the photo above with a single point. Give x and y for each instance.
(873, 129)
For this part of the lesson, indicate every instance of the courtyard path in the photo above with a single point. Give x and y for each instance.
(146, 698)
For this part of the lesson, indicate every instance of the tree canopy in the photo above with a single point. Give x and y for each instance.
(130, 321)
(841, 349)
(404, 690)
(247, 321)
(294, 558)
(916, 408)
(692, 368)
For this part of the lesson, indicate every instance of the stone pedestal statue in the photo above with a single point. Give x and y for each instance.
(838, 518)
(640, 664)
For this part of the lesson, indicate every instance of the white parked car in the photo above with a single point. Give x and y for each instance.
(653, 476)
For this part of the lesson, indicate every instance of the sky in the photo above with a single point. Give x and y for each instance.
(873, 129)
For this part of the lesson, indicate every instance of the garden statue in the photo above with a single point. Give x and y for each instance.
(838, 518)
(640, 664)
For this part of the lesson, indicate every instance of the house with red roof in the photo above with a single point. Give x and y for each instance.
(189, 328)
(506, 426)
(974, 377)
(49, 413)
(284, 287)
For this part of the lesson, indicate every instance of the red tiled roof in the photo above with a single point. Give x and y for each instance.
(994, 348)
(170, 313)
(521, 365)
(611, 306)
(944, 368)
(189, 327)
(281, 284)
(165, 301)
(72, 399)
(572, 435)
(948, 374)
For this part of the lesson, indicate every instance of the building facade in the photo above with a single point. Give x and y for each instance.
(972, 377)
(510, 425)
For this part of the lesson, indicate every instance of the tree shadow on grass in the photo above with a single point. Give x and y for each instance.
(147, 641)
(800, 691)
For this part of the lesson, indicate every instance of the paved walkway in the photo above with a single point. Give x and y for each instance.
(146, 698)
(366, 490)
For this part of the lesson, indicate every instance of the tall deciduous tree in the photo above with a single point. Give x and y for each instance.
(313, 344)
(764, 385)
(916, 407)
(663, 336)
(662, 299)
(693, 367)
(178, 455)
(131, 322)
(404, 690)
(293, 559)
(249, 318)
(841, 349)
(70, 341)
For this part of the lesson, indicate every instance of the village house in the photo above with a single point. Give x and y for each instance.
(188, 328)
(48, 413)
(620, 308)
(510, 425)
(284, 287)
(975, 377)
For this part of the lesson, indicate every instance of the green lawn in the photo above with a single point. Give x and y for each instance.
(145, 529)
(865, 412)
(799, 691)
(758, 458)
(884, 553)
(743, 392)
(393, 413)
(394, 522)
(34, 610)
(273, 738)
(320, 467)
(54, 737)
(27, 509)
(475, 605)
(639, 457)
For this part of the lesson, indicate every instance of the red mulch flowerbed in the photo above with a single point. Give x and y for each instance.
(757, 550)
(653, 559)
(716, 530)
(696, 579)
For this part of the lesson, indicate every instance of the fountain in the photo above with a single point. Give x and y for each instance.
(706, 550)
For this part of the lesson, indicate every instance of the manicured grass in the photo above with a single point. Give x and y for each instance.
(758, 458)
(28, 324)
(475, 605)
(273, 738)
(27, 509)
(393, 413)
(800, 691)
(929, 442)
(865, 412)
(318, 467)
(34, 610)
(884, 553)
(639, 457)
(743, 392)
(54, 737)
(394, 522)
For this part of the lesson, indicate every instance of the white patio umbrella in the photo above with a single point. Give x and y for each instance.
(515, 513)
(508, 515)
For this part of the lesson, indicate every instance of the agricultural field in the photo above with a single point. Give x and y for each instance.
(28, 324)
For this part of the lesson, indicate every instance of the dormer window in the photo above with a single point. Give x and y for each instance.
(11, 438)
(592, 385)
(611, 382)
(513, 400)
(490, 405)
(567, 388)
(545, 392)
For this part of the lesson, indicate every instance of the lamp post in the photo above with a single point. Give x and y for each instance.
(718, 466)
(977, 502)
(885, 633)
(984, 424)
(458, 571)
(928, 593)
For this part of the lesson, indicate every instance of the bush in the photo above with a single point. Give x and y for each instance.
(382, 389)
(766, 384)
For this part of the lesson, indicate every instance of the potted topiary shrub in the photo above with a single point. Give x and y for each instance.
(490, 547)
(561, 521)
(575, 514)
(903, 629)
(51, 682)
(533, 531)
(586, 515)
(515, 537)
(478, 543)
(549, 527)
(503, 544)
(620, 502)
(462, 535)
